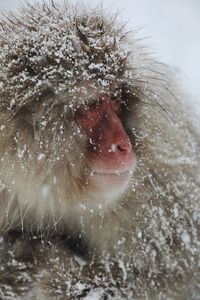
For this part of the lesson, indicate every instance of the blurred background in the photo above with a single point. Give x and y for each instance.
(172, 28)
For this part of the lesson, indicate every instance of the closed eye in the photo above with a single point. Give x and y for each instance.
(115, 103)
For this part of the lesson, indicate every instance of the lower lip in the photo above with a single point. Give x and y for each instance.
(111, 178)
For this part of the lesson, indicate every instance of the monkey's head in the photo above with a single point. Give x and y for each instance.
(70, 102)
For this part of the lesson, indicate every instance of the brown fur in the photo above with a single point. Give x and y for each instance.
(53, 60)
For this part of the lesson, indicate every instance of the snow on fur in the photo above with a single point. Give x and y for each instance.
(63, 56)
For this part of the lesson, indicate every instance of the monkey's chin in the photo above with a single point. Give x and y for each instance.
(111, 185)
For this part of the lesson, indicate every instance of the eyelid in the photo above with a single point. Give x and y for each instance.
(87, 116)
(116, 104)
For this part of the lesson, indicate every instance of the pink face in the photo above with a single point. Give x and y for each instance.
(111, 155)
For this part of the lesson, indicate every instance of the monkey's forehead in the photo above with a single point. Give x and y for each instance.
(74, 55)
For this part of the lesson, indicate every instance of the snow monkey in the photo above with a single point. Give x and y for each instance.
(99, 163)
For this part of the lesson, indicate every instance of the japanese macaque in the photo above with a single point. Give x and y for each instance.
(99, 164)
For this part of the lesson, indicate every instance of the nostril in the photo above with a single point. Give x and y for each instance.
(124, 149)
(121, 147)
(124, 146)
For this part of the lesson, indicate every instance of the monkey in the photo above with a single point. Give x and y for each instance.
(99, 171)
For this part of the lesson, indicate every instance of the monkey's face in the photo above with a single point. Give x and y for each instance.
(110, 155)
(63, 159)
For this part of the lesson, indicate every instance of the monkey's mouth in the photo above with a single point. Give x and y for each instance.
(111, 178)
(114, 174)
(111, 184)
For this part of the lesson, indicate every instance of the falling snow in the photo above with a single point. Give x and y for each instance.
(46, 54)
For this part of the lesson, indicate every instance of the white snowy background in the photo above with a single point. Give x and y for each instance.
(172, 28)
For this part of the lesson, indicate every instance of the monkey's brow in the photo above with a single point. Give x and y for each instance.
(117, 92)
